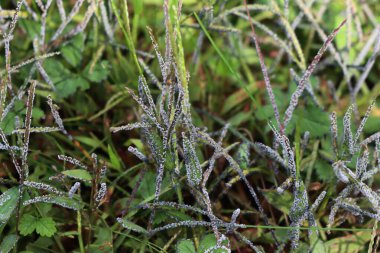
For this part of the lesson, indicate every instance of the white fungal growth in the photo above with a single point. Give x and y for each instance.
(42, 186)
(83, 24)
(61, 10)
(362, 163)
(271, 154)
(103, 171)
(347, 133)
(285, 185)
(73, 12)
(364, 120)
(57, 118)
(334, 132)
(137, 153)
(4, 198)
(101, 192)
(193, 167)
(340, 171)
(74, 189)
(55, 200)
(72, 161)
(107, 26)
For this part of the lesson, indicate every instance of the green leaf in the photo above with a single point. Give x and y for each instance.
(104, 237)
(265, 112)
(27, 224)
(238, 97)
(37, 113)
(324, 170)
(46, 227)
(131, 226)
(208, 242)
(31, 27)
(72, 51)
(66, 82)
(185, 246)
(8, 202)
(80, 174)
(71, 85)
(239, 118)
(8, 243)
(159, 2)
(282, 201)
(96, 73)
(56, 71)
(8, 123)
(316, 244)
(92, 142)
(138, 6)
(115, 159)
(348, 244)
(311, 119)
(242, 156)
(148, 185)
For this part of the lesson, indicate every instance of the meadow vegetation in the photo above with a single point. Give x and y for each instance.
(189, 126)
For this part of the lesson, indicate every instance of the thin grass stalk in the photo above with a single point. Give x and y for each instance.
(301, 86)
(63, 25)
(264, 70)
(126, 31)
(369, 65)
(290, 31)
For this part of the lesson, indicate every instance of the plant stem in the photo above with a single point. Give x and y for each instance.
(80, 238)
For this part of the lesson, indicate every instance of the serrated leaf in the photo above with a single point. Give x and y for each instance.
(72, 51)
(65, 81)
(71, 85)
(311, 119)
(56, 70)
(98, 72)
(8, 243)
(46, 227)
(147, 187)
(80, 174)
(131, 226)
(27, 224)
(209, 241)
(185, 246)
(324, 170)
(8, 202)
